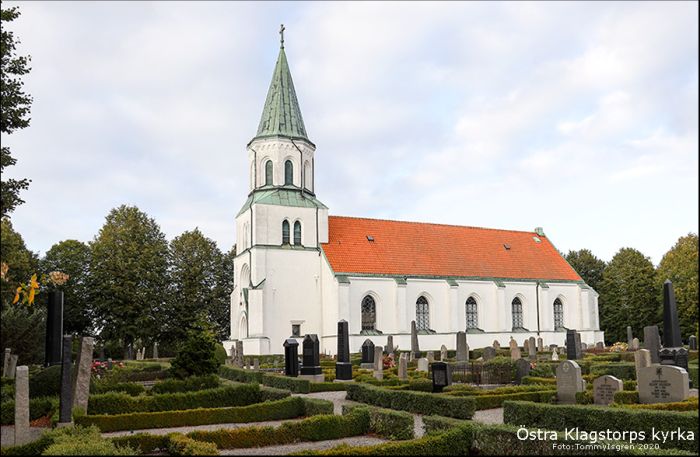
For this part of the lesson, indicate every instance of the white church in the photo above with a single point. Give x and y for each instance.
(299, 271)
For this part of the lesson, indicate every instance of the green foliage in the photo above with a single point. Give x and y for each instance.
(197, 355)
(179, 444)
(415, 402)
(588, 266)
(628, 295)
(186, 385)
(120, 403)
(14, 110)
(273, 410)
(680, 265)
(393, 425)
(559, 417)
(128, 276)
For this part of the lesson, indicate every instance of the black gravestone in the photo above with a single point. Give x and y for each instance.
(368, 352)
(442, 376)
(66, 399)
(54, 328)
(573, 345)
(311, 359)
(343, 367)
(291, 357)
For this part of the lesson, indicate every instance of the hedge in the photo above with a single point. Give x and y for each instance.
(120, 403)
(193, 383)
(38, 407)
(273, 410)
(621, 370)
(560, 417)
(296, 385)
(415, 402)
(387, 423)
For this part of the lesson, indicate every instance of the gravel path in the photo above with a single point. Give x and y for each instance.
(210, 427)
(315, 446)
(489, 416)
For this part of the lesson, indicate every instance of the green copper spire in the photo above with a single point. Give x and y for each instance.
(281, 114)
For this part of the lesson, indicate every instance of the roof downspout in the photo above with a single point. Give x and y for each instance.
(537, 298)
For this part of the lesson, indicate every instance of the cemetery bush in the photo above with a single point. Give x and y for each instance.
(560, 417)
(394, 425)
(274, 410)
(621, 370)
(326, 386)
(46, 382)
(120, 403)
(38, 407)
(192, 383)
(501, 370)
(179, 444)
(415, 402)
(296, 385)
(131, 388)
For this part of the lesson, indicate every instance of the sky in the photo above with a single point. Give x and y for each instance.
(581, 118)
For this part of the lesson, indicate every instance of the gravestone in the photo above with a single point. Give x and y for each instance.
(378, 363)
(6, 362)
(83, 369)
(443, 353)
(415, 349)
(496, 344)
(569, 382)
(604, 388)
(514, 349)
(652, 342)
(291, 357)
(662, 384)
(155, 350)
(573, 345)
(12, 366)
(635, 344)
(54, 328)
(238, 359)
(311, 359)
(673, 352)
(629, 336)
(389, 348)
(532, 354)
(22, 432)
(422, 364)
(555, 356)
(367, 355)
(431, 357)
(692, 343)
(403, 366)
(343, 367)
(441, 376)
(540, 344)
(66, 399)
(522, 369)
(462, 350)
(488, 353)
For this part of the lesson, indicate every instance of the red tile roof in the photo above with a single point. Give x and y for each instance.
(421, 249)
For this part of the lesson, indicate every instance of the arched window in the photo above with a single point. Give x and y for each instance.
(268, 173)
(558, 314)
(472, 313)
(285, 232)
(422, 314)
(297, 232)
(288, 172)
(369, 313)
(517, 313)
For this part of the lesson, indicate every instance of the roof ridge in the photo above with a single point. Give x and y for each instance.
(439, 224)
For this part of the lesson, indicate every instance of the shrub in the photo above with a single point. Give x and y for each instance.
(192, 383)
(179, 444)
(119, 403)
(416, 402)
(196, 356)
(394, 425)
(46, 382)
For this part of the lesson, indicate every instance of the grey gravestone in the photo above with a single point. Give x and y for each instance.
(662, 384)
(378, 363)
(604, 388)
(343, 367)
(692, 343)
(462, 349)
(652, 342)
(540, 344)
(311, 356)
(389, 349)
(489, 353)
(514, 350)
(415, 349)
(403, 366)
(6, 362)
(443, 353)
(291, 357)
(367, 355)
(522, 369)
(573, 345)
(532, 349)
(441, 376)
(673, 352)
(83, 368)
(569, 382)
(635, 344)
(54, 328)
(422, 364)
(629, 336)
(66, 400)
(12, 366)
(22, 434)
(496, 344)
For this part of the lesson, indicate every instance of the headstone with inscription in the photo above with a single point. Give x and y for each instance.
(367, 355)
(343, 367)
(569, 381)
(662, 384)
(604, 388)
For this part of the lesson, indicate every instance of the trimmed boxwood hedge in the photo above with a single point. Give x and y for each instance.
(561, 417)
(415, 402)
(387, 423)
(301, 386)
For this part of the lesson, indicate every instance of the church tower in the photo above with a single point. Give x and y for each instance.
(280, 228)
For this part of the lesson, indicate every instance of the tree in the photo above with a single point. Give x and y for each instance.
(680, 265)
(72, 258)
(15, 106)
(128, 277)
(628, 295)
(21, 262)
(198, 272)
(196, 356)
(588, 266)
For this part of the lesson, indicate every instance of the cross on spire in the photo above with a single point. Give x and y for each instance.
(282, 36)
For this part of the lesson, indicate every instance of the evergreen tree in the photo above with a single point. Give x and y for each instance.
(628, 295)
(680, 265)
(72, 258)
(128, 277)
(588, 266)
(14, 109)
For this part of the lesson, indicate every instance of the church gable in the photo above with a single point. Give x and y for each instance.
(381, 247)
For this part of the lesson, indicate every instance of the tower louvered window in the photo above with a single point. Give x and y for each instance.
(422, 314)
(472, 314)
